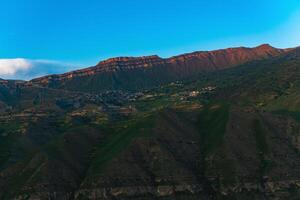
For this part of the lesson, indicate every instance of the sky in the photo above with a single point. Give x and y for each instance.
(39, 37)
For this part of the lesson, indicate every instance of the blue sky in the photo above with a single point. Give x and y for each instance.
(72, 34)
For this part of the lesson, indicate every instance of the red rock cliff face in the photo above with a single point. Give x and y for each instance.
(110, 65)
(183, 64)
(225, 58)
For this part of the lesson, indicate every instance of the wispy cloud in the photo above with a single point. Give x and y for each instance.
(20, 68)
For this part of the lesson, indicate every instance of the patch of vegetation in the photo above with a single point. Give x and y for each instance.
(262, 147)
(260, 137)
(212, 123)
(15, 183)
(153, 103)
(119, 136)
(8, 134)
(295, 115)
(227, 169)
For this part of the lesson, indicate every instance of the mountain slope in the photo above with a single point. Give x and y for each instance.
(213, 152)
(144, 72)
(272, 83)
(227, 134)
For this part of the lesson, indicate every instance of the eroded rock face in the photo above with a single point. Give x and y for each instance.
(225, 58)
(177, 67)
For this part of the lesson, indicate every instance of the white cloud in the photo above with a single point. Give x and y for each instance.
(26, 69)
(9, 67)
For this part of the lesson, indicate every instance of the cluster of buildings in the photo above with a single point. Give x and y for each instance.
(195, 93)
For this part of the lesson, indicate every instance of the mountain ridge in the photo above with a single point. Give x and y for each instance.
(178, 67)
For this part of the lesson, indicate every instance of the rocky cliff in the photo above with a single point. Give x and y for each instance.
(123, 72)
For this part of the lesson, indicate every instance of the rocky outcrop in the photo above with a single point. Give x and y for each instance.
(110, 65)
(193, 191)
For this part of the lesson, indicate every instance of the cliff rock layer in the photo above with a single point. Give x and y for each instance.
(148, 71)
